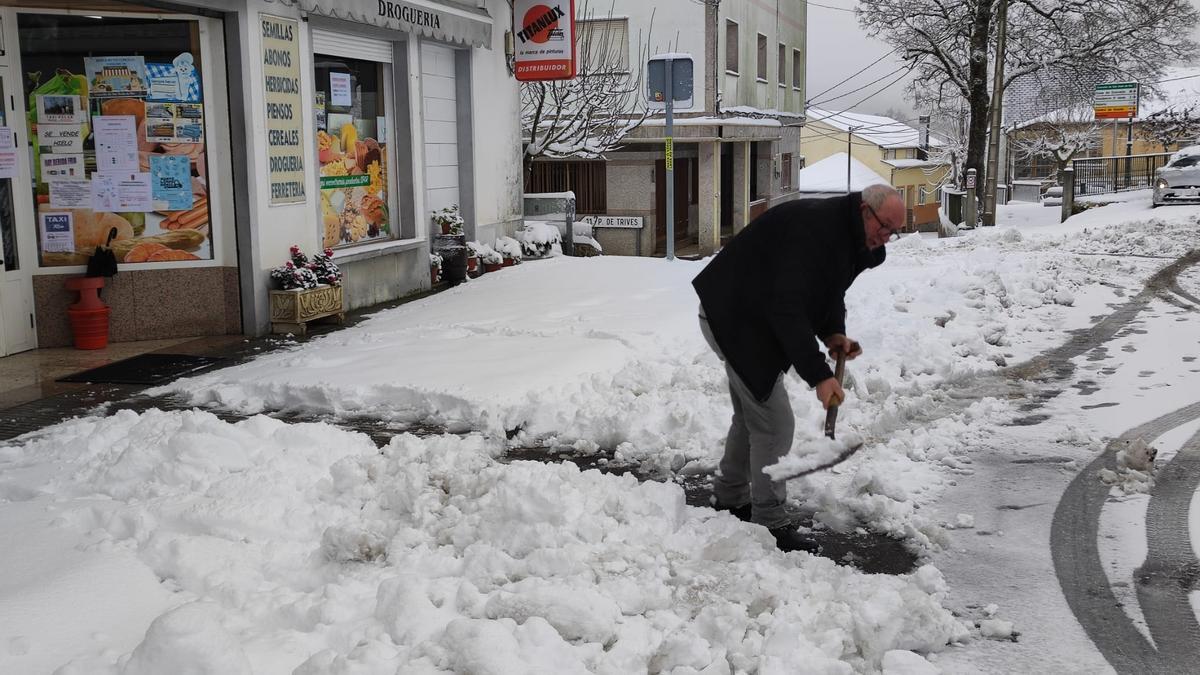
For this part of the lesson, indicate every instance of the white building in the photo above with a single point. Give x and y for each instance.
(733, 152)
(260, 124)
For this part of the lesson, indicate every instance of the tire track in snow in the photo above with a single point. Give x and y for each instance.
(1171, 567)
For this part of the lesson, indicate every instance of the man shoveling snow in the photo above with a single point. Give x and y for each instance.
(764, 299)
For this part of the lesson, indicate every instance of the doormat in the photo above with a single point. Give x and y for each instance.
(146, 369)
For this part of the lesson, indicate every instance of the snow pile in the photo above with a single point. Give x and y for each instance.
(540, 238)
(304, 547)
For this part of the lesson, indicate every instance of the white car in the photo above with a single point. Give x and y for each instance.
(1178, 182)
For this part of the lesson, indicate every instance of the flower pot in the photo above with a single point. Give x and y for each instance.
(445, 228)
(291, 310)
(492, 267)
(509, 262)
(88, 317)
(433, 274)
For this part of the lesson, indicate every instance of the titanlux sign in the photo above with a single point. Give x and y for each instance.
(545, 39)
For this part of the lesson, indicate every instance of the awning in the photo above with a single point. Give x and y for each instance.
(464, 26)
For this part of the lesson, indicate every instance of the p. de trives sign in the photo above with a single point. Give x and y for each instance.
(544, 39)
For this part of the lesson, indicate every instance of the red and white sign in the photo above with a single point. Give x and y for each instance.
(544, 39)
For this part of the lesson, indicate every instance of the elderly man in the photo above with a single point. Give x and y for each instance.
(765, 299)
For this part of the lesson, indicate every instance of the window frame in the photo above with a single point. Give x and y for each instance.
(761, 73)
(782, 59)
(732, 47)
(797, 60)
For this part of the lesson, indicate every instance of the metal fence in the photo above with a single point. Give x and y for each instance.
(1097, 175)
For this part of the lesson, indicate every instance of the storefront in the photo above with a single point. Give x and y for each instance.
(211, 137)
(115, 133)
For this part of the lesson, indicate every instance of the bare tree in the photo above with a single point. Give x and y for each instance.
(589, 115)
(949, 45)
(1171, 125)
(1065, 132)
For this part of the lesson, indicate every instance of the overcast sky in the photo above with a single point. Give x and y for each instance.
(837, 48)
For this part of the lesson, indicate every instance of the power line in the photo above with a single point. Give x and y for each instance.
(840, 9)
(818, 95)
(852, 91)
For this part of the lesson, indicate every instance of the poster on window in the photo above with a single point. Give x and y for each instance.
(116, 75)
(104, 159)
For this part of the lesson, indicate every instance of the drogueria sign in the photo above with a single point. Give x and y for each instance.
(460, 23)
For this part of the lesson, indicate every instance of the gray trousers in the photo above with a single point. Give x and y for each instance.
(760, 433)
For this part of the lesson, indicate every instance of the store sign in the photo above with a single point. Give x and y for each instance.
(1116, 100)
(285, 133)
(545, 39)
(460, 23)
(626, 222)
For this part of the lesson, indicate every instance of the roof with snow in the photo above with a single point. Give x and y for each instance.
(829, 175)
(1180, 87)
(882, 131)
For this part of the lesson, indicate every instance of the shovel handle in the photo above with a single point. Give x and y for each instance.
(839, 371)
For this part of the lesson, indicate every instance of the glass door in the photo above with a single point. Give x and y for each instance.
(17, 332)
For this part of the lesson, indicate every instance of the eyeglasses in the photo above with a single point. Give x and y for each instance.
(892, 231)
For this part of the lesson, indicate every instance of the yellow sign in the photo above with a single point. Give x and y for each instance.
(285, 133)
(670, 153)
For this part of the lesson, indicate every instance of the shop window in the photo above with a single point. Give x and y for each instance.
(732, 47)
(352, 149)
(117, 123)
(762, 57)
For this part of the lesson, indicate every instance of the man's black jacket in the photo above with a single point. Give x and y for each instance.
(781, 283)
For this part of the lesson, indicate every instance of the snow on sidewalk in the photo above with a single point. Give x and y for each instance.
(303, 548)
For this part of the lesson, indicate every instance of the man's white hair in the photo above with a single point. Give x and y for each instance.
(875, 195)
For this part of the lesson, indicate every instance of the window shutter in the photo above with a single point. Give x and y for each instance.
(350, 46)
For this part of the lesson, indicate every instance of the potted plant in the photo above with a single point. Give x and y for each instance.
(510, 249)
(305, 290)
(449, 220)
(488, 256)
(540, 239)
(435, 268)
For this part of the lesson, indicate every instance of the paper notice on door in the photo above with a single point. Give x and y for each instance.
(122, 192)
(58, 232)
(8, 153)
(70, 194)
(116, 142)
(7, 140)
(61, 138)
(61, 167)
(339, 90)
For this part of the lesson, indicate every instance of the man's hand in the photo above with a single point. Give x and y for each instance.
(838, 343)
(829, 392)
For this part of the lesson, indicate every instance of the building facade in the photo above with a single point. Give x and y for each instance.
(209, 137)
(889, 148)
(734, 152)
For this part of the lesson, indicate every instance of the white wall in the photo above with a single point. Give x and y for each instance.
(496, 131)
(438, 108)
(678, 26)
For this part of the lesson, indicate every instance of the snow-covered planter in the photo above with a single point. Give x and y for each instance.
(449, 220)
(540, 239)
(489, 258)
(511, 250)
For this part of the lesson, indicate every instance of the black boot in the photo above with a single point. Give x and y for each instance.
(740, 512)
(788, 538)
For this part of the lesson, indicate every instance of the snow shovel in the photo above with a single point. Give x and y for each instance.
(830, 420)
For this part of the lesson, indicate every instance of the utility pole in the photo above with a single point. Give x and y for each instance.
(849, 155)
(993, 156)
(669, 163)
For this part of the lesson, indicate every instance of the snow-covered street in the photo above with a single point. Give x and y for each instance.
(1002, 369)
